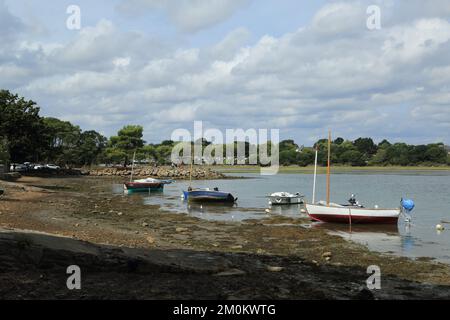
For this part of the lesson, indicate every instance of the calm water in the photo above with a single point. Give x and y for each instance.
(429, 190)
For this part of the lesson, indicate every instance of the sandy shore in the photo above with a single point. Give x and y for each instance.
(272, 258)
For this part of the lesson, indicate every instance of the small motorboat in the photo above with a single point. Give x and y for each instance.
(285, 198)
(208, 195)
(145, 185)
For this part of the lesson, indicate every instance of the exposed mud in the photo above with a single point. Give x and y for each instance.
(272, 258)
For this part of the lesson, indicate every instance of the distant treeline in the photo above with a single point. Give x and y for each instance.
(25, 136)
(364, 152)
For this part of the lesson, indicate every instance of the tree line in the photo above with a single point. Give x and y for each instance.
(364, 152)
(26, 136)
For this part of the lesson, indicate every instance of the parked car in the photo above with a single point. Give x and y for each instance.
(53, 166)
(38, 166)
(18, 167)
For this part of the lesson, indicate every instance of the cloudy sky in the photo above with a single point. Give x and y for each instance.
(300, 66)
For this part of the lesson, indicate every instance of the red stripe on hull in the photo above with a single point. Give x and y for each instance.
(355, 219)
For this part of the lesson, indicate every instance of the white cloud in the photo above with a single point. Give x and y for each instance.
(332, 73)
(188, 15)
(10, 26)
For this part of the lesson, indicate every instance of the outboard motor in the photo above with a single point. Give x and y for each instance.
(352, 200)
(407, 205)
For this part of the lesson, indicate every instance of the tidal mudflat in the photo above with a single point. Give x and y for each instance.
(133, 250)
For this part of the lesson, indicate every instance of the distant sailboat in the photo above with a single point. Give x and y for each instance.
(352, 212)
(143, 185)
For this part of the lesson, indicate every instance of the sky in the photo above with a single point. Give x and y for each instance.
(302, 67)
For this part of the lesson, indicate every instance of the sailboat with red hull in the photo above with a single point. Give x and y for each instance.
(352, 213)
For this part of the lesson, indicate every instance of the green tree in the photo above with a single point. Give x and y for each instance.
(128, 140)
(91, 145)
(398, 154)
(436, 153)
(384, 144)
(366, 146)
(4, 154)
(63, 141)
(288, 145)
(21, 127)
(306, 157)
(353, 157)
(379, 158)
(163, 153)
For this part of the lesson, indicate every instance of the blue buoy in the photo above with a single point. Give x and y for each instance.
(408, 205)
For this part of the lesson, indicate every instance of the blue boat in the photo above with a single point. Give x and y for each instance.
(208, 195)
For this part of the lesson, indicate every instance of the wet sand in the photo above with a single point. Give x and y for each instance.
(275, 258)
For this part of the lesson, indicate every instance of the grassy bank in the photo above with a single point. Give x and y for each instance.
(335, 169)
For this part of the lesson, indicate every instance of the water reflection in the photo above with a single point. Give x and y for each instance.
(290, 210)
(394, 239)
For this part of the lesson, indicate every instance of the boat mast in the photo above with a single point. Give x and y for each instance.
(328, 168)
(315, 176)
(132, 166)
(190, 173)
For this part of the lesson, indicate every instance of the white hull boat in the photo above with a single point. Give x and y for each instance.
(285, 198)
(352, 214)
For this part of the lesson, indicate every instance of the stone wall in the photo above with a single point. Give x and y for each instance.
(160, 172)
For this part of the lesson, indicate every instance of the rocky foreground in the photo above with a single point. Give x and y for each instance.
(34, 266)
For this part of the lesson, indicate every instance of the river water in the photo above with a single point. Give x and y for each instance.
(430, 190)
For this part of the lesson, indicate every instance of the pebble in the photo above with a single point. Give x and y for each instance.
(150, 240)
(327, 255)
(119, 213)
(274, 269)
(180, 229)
(236, 247)
(231, 272)
(145, 224)
(439, 227)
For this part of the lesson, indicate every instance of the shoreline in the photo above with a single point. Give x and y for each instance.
(82, 209)
(334, 169)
